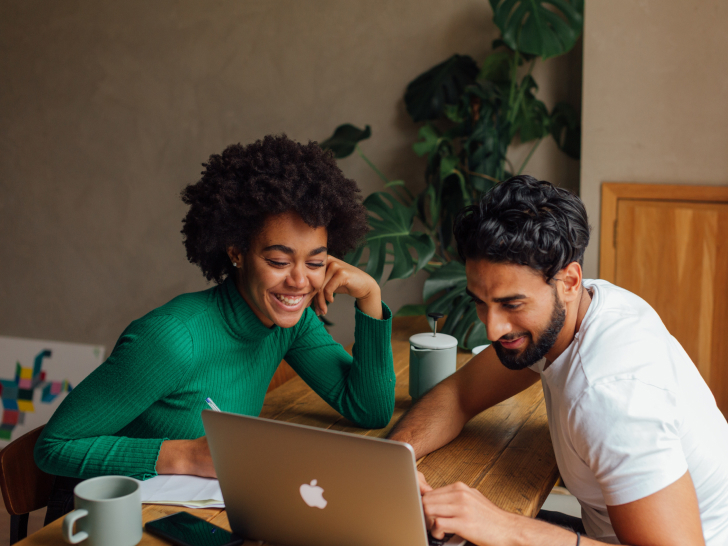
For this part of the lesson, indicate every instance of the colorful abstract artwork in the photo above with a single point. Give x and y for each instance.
(35, 376)
(17, 394)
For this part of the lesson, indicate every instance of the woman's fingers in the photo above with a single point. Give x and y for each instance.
(320, 297)
(336, 277)
(343, 278)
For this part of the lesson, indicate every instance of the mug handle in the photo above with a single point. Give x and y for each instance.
(68, 522)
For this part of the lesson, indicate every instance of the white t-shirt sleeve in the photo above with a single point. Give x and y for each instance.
(628, 433)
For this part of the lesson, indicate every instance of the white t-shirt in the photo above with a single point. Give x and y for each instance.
(629, 414)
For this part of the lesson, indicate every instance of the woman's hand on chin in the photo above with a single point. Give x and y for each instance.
(186, 457)
(342, 278)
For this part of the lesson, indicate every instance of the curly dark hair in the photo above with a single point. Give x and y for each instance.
(527, 222)
(244, 185)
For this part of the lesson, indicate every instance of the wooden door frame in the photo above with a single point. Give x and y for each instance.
(612, 192)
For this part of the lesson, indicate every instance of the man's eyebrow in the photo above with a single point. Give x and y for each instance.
(288, 250)
(503, 299)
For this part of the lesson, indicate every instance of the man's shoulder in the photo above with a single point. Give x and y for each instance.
(623, 336)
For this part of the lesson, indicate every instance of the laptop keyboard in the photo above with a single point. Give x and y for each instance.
(447, 540)
(438, 541)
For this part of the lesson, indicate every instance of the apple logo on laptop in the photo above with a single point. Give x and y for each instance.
(313, 495)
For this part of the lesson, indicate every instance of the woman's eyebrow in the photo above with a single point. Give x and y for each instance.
(318, 250)
(288, 250)
(280, 248)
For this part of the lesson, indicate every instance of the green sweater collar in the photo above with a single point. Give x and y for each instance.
(238, 314)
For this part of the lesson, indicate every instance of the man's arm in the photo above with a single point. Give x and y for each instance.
(670, 517)
(440, 415)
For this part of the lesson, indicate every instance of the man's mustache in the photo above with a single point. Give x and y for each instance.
(511, 337)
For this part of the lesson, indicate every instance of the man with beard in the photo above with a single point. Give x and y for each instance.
(637, 435)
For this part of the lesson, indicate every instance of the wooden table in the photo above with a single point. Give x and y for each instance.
(505, 452)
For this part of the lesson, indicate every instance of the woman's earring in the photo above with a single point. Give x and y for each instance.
(235, 265)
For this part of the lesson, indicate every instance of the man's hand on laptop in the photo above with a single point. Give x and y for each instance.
(424, 486)
(464, 511)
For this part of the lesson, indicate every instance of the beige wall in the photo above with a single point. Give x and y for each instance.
(655, 97)
(108, 108)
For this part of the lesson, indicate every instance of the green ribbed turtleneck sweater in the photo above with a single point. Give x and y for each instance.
(207, 344)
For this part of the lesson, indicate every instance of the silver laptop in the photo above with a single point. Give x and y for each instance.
(296, 485)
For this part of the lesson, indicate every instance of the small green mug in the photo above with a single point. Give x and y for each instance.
(108, 512)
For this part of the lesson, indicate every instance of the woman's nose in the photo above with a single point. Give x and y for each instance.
(297, 278)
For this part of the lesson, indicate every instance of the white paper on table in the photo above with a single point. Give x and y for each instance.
(176, 490)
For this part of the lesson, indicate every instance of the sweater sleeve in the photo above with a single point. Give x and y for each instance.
(360, 388)
(148, 362)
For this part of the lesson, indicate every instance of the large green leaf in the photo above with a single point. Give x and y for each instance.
(566, 129)
(446, 291)
(429, 93)
(486, 147)
(430, 140)
(450, 275)
(343, 141)
(497, 67)
(411, 310)
(532, 117)
(392, 234)
(546, 28)
(477, 336)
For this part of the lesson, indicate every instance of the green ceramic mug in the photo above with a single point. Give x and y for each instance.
(108, 513)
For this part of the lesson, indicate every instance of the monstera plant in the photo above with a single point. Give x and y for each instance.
(470, 114)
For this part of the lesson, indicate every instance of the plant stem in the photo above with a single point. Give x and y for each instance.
(528, 157)
(397, 194)
(481, 175)
(514, 73)
(365, 158)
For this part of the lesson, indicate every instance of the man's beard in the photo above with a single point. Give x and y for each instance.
(519, 359)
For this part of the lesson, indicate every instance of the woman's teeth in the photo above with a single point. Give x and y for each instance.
(289, 300)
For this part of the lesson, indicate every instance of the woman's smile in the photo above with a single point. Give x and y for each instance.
(290, 302)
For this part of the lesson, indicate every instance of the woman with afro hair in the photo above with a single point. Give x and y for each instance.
(268, 223)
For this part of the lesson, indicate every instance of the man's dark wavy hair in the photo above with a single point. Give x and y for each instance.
(244, 185)
(527, 222)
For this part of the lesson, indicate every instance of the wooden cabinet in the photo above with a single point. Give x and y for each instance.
(669, 245)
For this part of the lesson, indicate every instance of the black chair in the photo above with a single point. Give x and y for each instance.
(25, 487)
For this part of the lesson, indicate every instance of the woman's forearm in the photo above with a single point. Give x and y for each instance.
(371, 304)
(96, 455)
(190, 457)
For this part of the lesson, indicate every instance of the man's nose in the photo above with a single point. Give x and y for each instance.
(496, 324)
